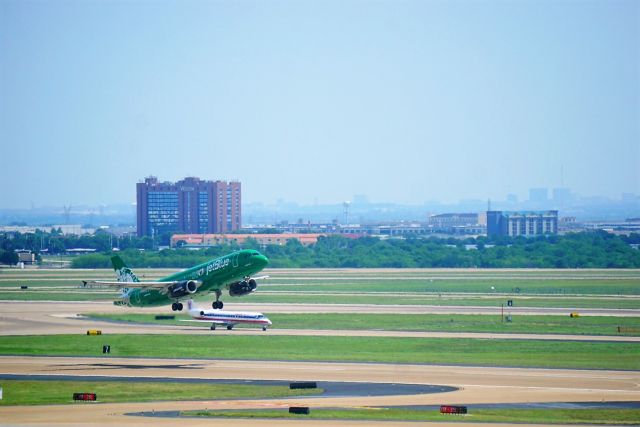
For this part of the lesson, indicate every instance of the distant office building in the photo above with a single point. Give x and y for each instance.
(206, 240)
(533, 223)
(626, 227)
(188, 206)
(568, 224)
(482, 219)
(65, 229)
(538, 195)
(449, 220)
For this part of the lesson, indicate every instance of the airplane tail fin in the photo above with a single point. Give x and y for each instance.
(191, 308)
(123, 272)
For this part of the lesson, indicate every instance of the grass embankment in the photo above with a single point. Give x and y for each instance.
(427, 286)
(473, 352)
(388, 283)
(544, 416)
(17, 392)
(425, 322)
(571, 303)
(501, 284)
(31, 295)
(444, 299)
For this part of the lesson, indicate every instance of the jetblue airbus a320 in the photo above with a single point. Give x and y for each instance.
(233, 272)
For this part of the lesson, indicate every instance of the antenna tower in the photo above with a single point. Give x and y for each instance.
(345, 205)
(67, 213)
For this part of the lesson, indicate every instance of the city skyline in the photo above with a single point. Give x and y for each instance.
(360, 198)
(406, 102)
(358, 209)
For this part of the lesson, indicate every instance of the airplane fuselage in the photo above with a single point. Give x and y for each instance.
(232, 317)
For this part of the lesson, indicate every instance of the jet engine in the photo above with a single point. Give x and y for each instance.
(242, 288)
(183, 289)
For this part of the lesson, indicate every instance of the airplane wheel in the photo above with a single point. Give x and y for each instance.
(213, 327)
(179, 306)
(220, 304)
(217, 305)
(264, 328)
(229, 327)
(173, 307)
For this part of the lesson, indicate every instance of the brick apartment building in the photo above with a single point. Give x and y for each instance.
(188, 206)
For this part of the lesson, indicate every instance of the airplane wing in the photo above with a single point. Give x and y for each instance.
(152, 285)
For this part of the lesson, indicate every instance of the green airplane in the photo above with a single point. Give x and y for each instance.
(232, 272)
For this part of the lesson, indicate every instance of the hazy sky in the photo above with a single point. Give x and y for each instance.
(404, 101)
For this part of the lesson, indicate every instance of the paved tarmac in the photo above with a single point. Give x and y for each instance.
(473, 385)
(46, 318)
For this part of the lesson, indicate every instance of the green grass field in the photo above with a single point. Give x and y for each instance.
(546, 416)
(548, 282)
(446, 299)
(424, 322)
(449, 351)
(571, 303)
(444, 285)
(61, 294)
(17, 392)
(30, 295)
(572, 289)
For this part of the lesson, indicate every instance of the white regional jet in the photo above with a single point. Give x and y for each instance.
(226, 318)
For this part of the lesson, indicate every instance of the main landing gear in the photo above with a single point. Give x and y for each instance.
(217, 304)
(176, 306)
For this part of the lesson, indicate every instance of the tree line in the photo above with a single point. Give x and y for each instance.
(58, 243)
(576, 250)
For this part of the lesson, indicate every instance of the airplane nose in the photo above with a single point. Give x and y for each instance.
(262, 260)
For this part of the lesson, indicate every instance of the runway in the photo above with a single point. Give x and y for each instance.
(45, 318)
(108, 307)
(473, 384)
